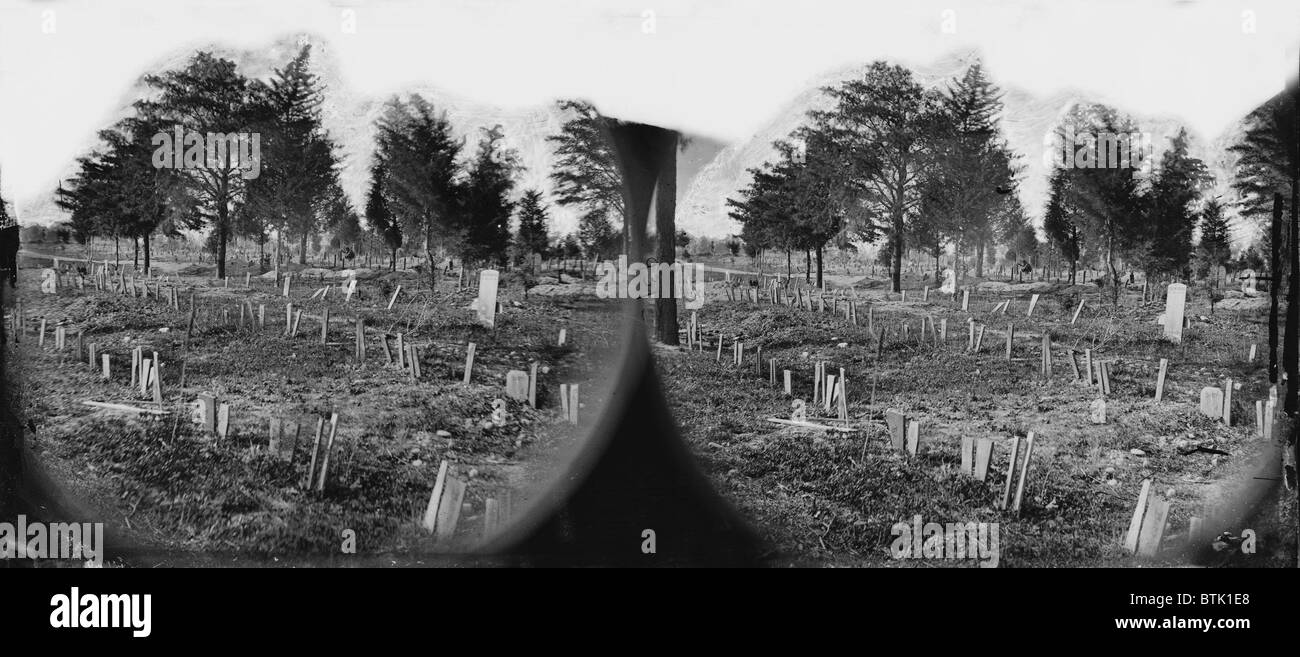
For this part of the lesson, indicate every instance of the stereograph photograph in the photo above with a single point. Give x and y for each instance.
(907, 285)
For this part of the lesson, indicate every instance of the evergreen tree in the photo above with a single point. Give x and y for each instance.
(532, 238)
(586, 173)
(1060, 222)
(419, 162)
(1268, 155)
(972, 170)
(596, 235)
(487, 206)
(381, 219)
(298, 167)
(1214, 249)
(1107, 198)
(1175, 186)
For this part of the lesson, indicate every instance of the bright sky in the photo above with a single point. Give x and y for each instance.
(713, 67)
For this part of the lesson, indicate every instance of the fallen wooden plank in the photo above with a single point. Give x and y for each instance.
(811, 425)
(124, 407)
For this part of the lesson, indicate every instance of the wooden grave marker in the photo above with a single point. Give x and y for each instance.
(469, 360)
(1011, 472)
(517, 385)
(1160, 379)
(983, 456)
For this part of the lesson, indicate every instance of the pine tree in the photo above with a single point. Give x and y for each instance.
(586, 173)
(1215, 248)
(1060, 222)
(298, 170)
(419, 162)
(1107, 198)
(1175, 186)
(487, 206)
(972, 169)
(381, 219)
(532, 238)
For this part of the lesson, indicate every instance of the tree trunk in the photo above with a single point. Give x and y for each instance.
(1114, 275)
(819, 267)
(302, 249)
(979, 259)
(428, 248)
(1291, 348)
(146, 254)
(666, 226)
(135, 254)
(897, 274)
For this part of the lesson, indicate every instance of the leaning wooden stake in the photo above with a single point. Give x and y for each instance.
(469, 361)
(1024, 472)
(1160, 379)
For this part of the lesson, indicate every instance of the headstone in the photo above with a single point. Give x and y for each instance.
(532, 385)
(895, 421)
(1011, 472)
(968, 455)
(949, 282)
(1212, 402)
(206, 411)
(351, 290)
(517, 385)
(49, 281)
(913, 437)
(223, 419)
(1227, 403)
(983, 455)
(1153, 527)
(432, 512)
(1135, 525)
(486, 305)
(1097, 412)
(1175, 304)
(1249, 282)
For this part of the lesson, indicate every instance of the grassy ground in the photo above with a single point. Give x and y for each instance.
(830, 498)
(165, 484)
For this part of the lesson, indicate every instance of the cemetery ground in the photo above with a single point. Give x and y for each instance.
(825, 497)
(165, 484)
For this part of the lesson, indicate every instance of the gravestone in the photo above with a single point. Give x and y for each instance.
(517, 385)
(1249, 282)
(983, 455)
(486, 304)
(1212, 402)
(913, 437)
(894, 420)
(1097, 412)
(49, 281)
(949, 282)
(1175, 303)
